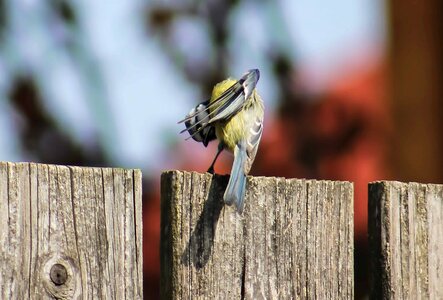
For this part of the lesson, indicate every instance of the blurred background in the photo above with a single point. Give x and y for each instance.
(352, 90)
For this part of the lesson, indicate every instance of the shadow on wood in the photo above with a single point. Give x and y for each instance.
(294, 239)
(200, 244)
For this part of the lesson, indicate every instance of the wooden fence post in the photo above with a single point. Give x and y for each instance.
(294, 239)
(70, 232)
(406, 240)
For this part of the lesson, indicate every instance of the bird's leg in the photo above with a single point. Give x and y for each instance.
(219, 150)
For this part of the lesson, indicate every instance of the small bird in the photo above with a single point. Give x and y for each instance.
(234, 116)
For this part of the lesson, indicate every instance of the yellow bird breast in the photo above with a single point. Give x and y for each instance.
(231, 131)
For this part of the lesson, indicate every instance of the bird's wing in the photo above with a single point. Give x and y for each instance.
(195, 124)
(234, 98)
(224, 107)
(229, 103)
(253, 140)
(196, 112)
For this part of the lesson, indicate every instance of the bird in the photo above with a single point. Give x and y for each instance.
(234, 116)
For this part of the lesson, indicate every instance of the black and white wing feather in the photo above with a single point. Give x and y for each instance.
(199, 121)
(200, 131)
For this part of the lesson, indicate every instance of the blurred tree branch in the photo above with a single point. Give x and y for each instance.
(39, 133)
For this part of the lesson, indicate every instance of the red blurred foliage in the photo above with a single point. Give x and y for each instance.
(151, 240)
(357, 104)
(341, 135)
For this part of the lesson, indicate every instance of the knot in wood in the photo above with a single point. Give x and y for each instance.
(58, 274)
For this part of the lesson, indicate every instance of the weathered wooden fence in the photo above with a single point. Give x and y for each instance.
(70, 232)
(294, 239)
(406, 240)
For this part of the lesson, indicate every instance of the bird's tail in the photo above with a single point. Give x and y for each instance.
(235, 191)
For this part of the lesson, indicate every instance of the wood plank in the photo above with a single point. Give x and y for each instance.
(69, 232)
(294, 239)
(405, 231)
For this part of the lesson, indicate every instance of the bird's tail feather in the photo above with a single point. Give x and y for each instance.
(235, 191)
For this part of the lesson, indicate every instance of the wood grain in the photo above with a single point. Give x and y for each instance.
(406, 240)
(293, 241)
(70, 232)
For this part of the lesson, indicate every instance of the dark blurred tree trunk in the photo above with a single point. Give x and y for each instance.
(416, 78)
